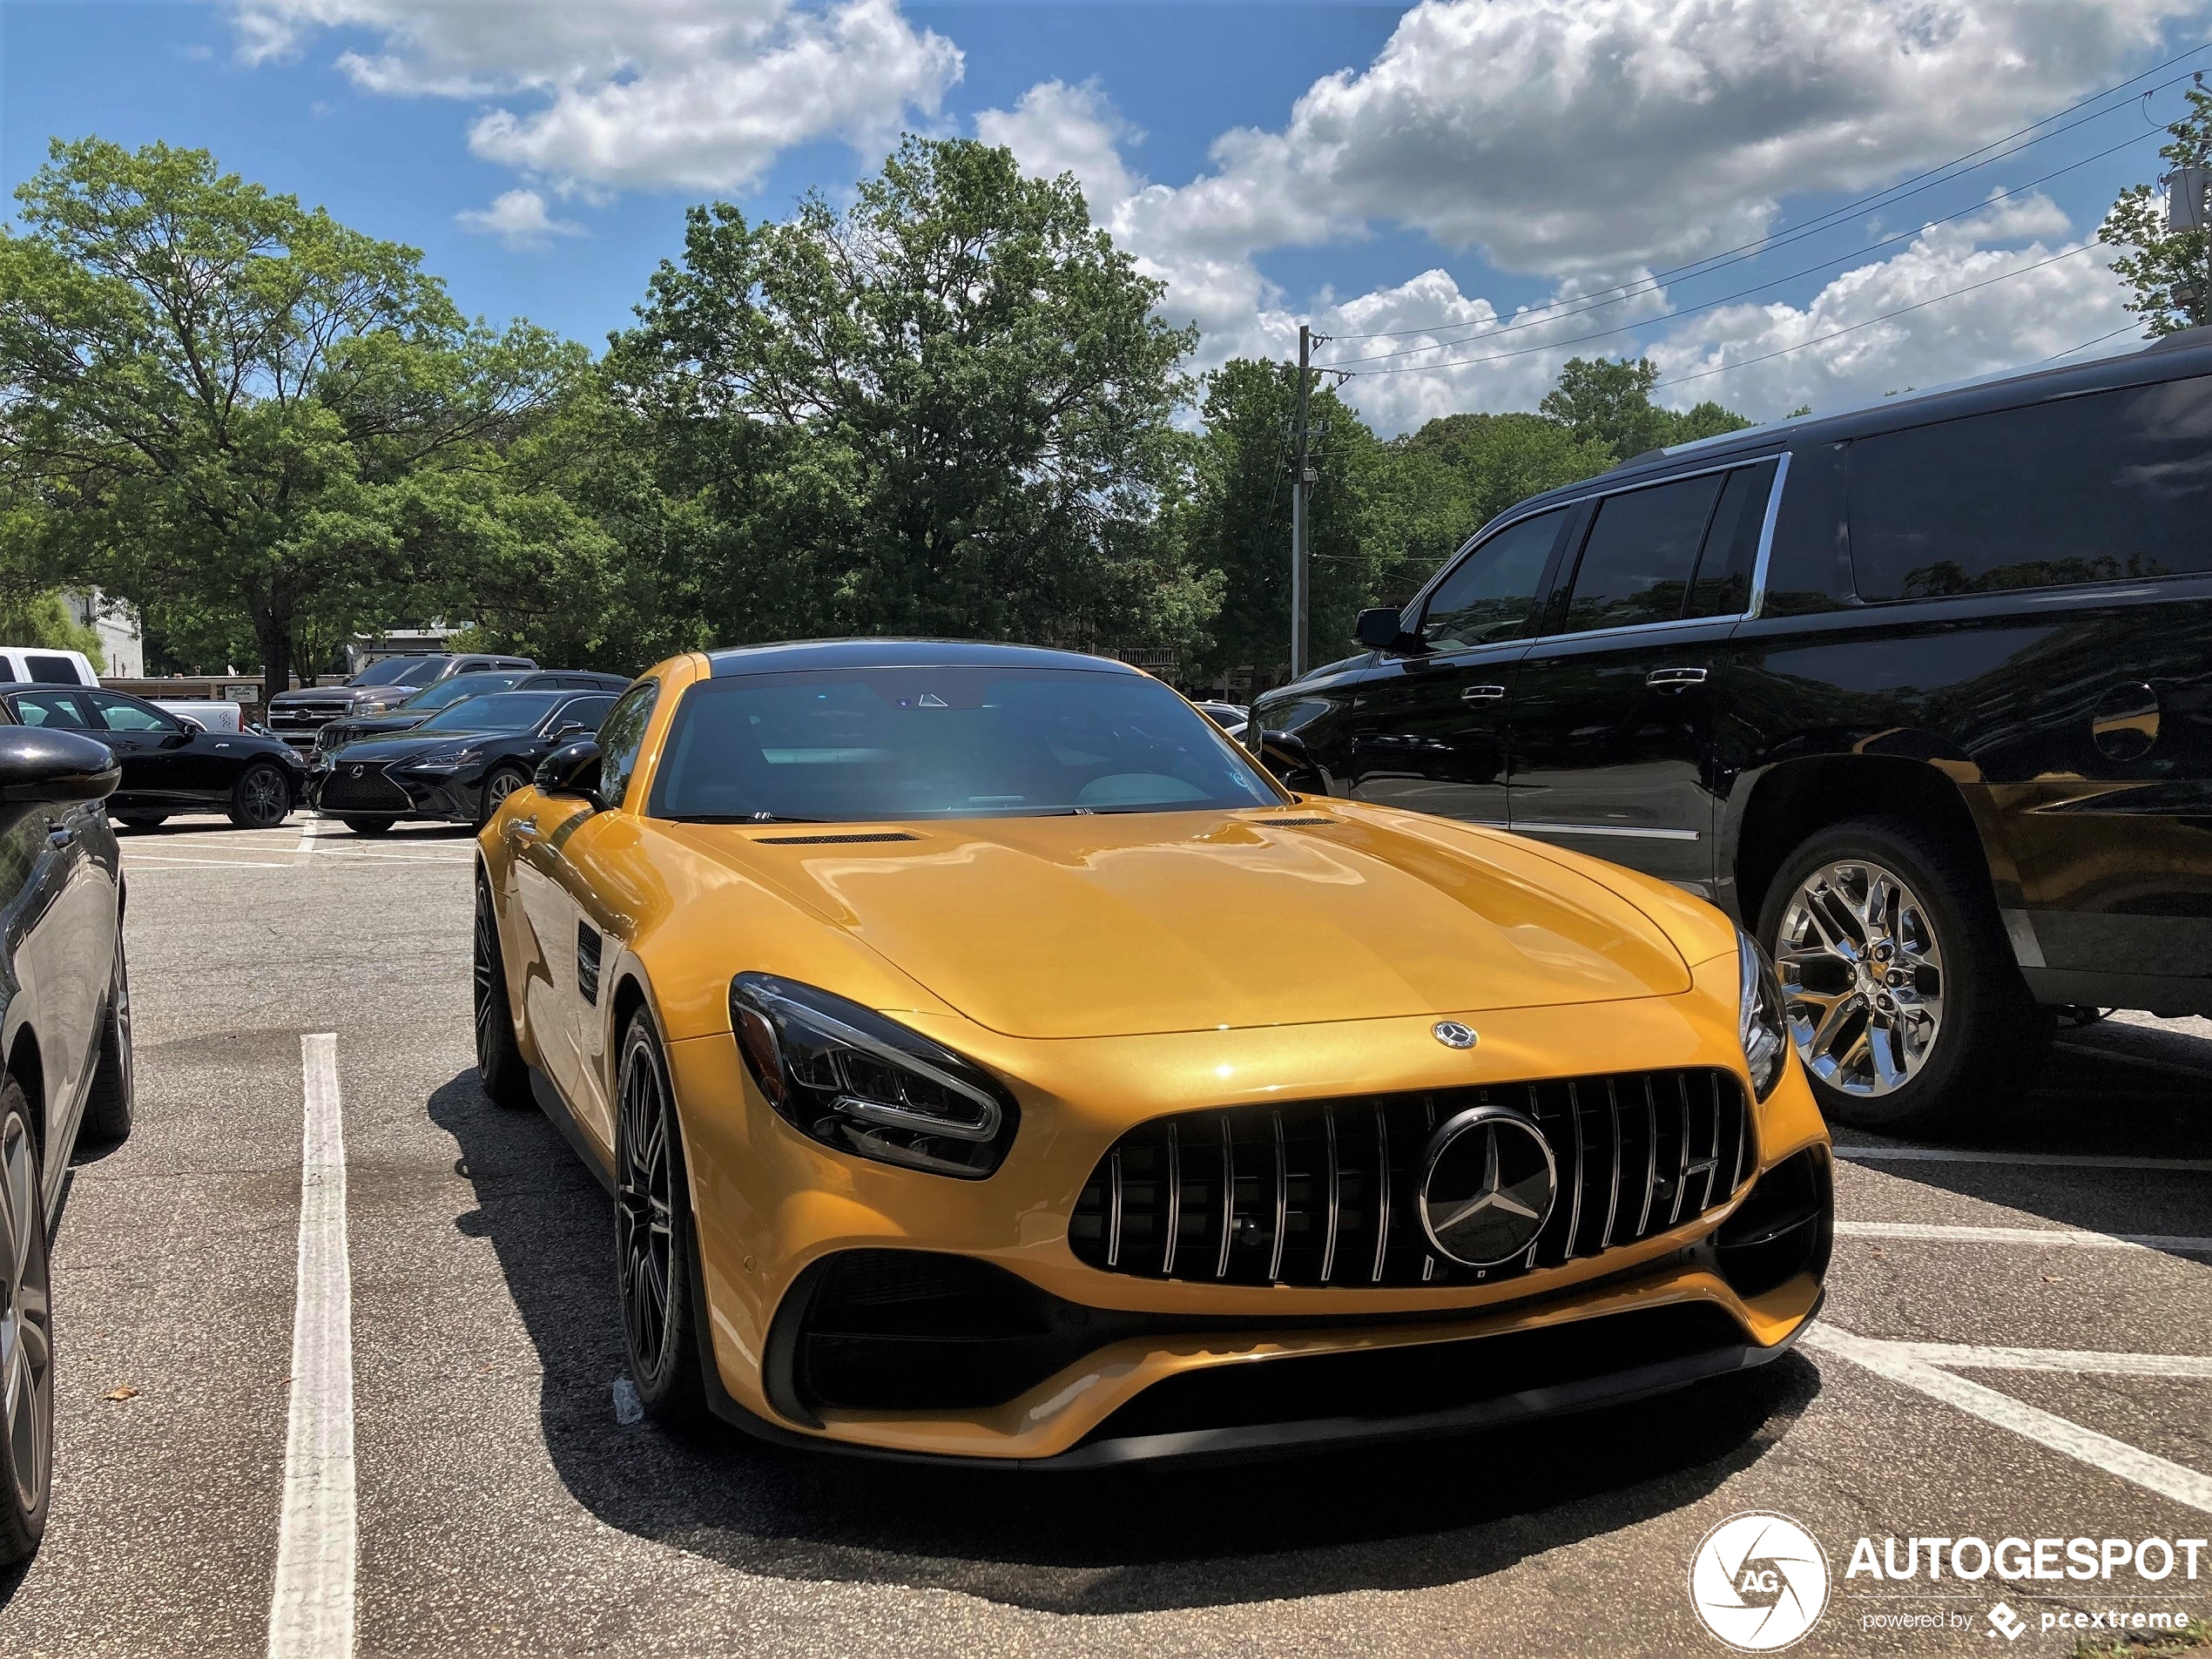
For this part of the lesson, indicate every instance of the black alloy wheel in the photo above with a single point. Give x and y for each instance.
(368, 825)
(499, 1059)
(1900, 992)
(261, 799)
(113, 1102)
(653, 1237)
(26, 1333)
(502, 782)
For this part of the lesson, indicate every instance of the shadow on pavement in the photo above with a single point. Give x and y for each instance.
(1117, 1541)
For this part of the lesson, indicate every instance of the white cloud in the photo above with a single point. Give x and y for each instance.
(518, 218)
(1056, 128)
(690, 94)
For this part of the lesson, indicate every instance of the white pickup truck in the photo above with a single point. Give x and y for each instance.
(42, 665)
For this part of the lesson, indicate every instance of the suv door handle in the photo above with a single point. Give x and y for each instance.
(1481, 693)
(1673, 680)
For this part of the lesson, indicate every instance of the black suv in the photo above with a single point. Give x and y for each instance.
(297, 716)
(1921, 693)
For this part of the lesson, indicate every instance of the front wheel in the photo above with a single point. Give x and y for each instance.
(503, 782)
(1901, 995)
(261, 799)
(26, 1333)
(499, 1058)
(653, 1236)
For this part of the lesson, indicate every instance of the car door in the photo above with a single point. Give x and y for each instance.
(1611, 719)
(1428, 731)
(160, 765)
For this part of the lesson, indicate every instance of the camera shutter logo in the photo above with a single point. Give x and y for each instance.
(1759, 1582)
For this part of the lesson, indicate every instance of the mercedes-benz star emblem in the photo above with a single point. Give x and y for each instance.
(1488, 1182)
(1452, 1034)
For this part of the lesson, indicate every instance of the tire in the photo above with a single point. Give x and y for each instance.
(142, 821)
(261, 799)
(654, 1245)
(499, 1058)
(368, 825)
(27, 1435)
(1908, 1014)
(502, 782)
(113, 1101)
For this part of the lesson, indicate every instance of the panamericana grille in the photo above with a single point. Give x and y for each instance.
(1326, 1192)
(370, 792)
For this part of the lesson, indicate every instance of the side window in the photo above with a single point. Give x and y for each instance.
(1723, 586)
(622, 734)
(1641, 553)
(590, 713)
(121, 714)
(50, 708)
(50, 670)
(1489, 594)
(2112, 486)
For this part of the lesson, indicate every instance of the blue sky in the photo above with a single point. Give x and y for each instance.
(1365, 169)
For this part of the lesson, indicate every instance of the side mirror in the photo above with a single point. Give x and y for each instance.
(1285, 754)
(44, 764)
(569, 728)
(1380, 628)
(178, 739)
(572, 769)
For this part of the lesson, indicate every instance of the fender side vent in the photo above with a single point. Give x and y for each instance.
(830, 841)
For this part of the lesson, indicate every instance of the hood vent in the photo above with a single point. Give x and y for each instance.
(832, 840)
(1295, 822)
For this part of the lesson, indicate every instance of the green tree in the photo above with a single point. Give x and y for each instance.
(1608, 401)
(2170, 271)
(219, 404)
(944, 410)
(1237, 524)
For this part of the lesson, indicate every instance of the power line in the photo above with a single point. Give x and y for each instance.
(1853, 328)
(2127, 327)
(1707, 305)
(1728, 256)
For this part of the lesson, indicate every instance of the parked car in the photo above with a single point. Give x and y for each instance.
(990, 1062)
(427, 701)
(1922, 693)
(296, 716)
(65, 1025)
(456, 765)
(168, 766)
(1231, 716)
(41, 665)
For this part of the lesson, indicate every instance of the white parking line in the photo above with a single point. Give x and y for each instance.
(311, 1612)
(309, 832)
(1911, 1366)
(2072, 1237)
(2054, 1160)
(163, 861)
(2074, 1360)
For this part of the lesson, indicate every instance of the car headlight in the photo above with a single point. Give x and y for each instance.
(446, 760)
(843, 1075)
(1761, 1025)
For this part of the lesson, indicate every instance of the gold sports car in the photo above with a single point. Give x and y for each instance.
(989, 1061)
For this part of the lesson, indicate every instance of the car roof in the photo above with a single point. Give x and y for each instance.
(2179, 356)
(792, 656)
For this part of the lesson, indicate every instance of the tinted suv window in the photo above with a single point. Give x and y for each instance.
(51, 671)
(1492, 591)
(1640, 554)
(622, 734)
(1723, 587)
(2106, 488)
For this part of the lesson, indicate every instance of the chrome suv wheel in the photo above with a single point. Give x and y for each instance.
(1862, 977)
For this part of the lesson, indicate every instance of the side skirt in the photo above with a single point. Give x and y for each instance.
(550, 1102)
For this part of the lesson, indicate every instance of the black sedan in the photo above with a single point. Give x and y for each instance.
(170, 764)
(65, 1010)
(456, 765)
(427, 701)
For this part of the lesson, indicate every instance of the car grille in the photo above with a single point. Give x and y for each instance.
(1326, 1192)
(370, 792)
(305, 715)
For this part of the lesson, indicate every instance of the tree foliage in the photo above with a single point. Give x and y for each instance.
(1608, 401)
(233, 409)
(2170, 271)
(944, 410)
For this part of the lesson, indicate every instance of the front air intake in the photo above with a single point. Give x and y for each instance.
(1326, 1192)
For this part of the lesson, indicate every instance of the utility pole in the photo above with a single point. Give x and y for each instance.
(1301, 480)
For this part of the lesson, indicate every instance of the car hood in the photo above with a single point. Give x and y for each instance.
(1122, 924)
(407, 745)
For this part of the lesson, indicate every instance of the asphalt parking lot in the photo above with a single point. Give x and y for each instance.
(2018, 1342)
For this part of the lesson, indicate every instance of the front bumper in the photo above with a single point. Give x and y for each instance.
(395, 793)
(1158, 1367)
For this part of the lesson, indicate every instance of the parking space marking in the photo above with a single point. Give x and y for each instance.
(309, 832)
(1910, 1365)
(2053, 1160)
(311, 1609)
(177, 861)
(2078, 1362)
(2072, 1237)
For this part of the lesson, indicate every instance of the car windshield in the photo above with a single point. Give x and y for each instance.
(500, 711)
(390, 672)
(447, 693)
(900, 743)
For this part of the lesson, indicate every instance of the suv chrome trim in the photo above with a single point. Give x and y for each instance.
(1633, 833)
(1766, 537)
